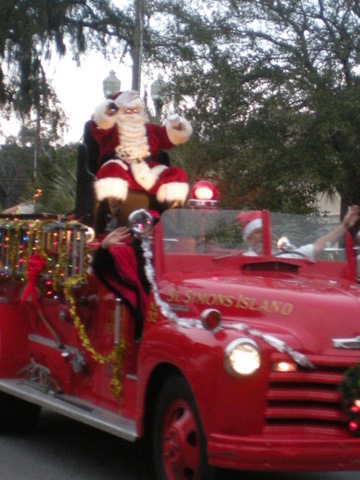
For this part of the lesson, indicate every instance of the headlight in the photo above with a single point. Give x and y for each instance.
(242, 357)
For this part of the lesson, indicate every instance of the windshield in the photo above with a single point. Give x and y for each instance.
(220, 232)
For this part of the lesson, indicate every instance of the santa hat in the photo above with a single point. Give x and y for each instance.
(128, 99)
(249, 221)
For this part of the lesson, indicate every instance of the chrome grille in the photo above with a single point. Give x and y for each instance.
(306, 399)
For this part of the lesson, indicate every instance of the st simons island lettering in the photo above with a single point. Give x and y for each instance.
(229, 301)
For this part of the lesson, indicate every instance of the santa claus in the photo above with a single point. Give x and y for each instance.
(128, 150)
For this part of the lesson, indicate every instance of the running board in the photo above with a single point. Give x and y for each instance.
(74, 408)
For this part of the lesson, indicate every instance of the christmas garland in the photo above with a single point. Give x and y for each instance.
(15, 251)
(59, 269)
(17, 248)
(18, 245)
(350, 391)
(33, 242)
(116, 356)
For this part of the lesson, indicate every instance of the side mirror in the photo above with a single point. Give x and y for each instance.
(140, 222)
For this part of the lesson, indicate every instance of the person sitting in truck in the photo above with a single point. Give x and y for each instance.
(129, 149)
(119, 265)
(251, 225)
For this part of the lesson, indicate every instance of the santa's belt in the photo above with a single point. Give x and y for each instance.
(124, 164)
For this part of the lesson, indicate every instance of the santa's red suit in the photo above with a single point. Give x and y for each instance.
(128, 147)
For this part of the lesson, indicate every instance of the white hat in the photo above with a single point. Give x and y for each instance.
(129, 99)
(249, 221)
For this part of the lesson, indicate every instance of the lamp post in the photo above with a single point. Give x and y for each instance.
(137, 50)
(111, 85)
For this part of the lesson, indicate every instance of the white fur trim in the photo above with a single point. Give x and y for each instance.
(121, 164)
(129, 99)
(158, 169)
(143, 175)
(101, 119)
(177, 137)
(251, 226)
(111, 187)
(173, 192)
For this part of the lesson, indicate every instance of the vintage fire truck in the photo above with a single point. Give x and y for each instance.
(242, 362)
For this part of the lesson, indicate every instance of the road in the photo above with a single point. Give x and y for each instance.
(61, 449)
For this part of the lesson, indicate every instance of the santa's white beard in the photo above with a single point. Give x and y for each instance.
(133, 141)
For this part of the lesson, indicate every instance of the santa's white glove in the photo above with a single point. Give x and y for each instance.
(104, 116)
(178, 129)
(174, 121)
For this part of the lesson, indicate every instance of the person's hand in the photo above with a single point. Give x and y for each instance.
(352, 216)
(111, 109)
(175, 122)
(116, 237)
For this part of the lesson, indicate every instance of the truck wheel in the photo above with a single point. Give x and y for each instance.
(179, 446)
(17, 415)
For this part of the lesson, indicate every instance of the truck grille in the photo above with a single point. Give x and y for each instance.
(306, 399)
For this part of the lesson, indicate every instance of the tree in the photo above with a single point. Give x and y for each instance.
(54, 184)
(276, 83)
(57, 181)
(271, 87)
(31, 31)
(16, 164)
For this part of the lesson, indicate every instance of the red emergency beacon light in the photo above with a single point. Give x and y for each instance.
(203, 195)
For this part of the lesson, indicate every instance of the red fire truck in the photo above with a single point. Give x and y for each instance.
(240, 362)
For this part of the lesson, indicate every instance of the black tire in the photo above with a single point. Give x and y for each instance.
(17, 415)
(179, 445)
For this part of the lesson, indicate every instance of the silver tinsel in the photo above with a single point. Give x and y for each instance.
(165, 309)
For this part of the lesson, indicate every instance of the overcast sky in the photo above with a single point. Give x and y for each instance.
(80, 89)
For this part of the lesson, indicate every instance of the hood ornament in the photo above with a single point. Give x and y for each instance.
(347, 343)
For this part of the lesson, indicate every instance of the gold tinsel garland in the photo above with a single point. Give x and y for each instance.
(13, 239)
(116, 356)
(55, 268)
(115, 383)
(15, 242)
(33, 242)
(34, 230)
(60, 265)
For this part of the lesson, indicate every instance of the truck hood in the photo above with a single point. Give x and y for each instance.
(310, 312)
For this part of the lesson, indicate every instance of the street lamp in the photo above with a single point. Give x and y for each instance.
(111, 85)
(156, 89)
